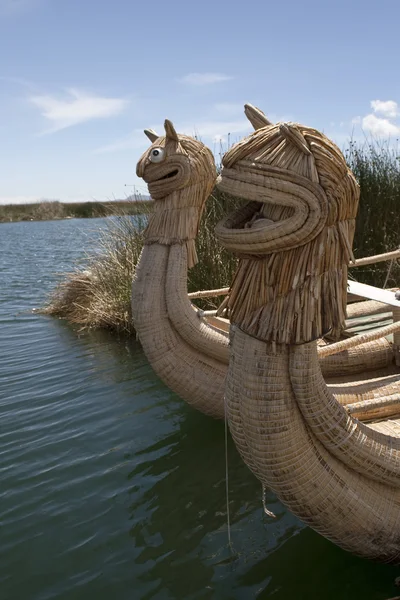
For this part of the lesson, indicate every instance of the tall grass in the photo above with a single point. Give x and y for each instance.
(99, 296)
(377, 168)
(216, 266)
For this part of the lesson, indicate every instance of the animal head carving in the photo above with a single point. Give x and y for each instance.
(303, 204)
(174, 162)
(180, 173)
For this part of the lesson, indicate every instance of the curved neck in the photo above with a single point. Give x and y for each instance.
(183, 365)
(287, 456)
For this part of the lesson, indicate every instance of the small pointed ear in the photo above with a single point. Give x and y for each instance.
(256, 116)
(151, 134)
(170, 131)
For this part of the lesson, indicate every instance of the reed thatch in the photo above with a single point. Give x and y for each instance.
(185, 351)
(169, 327)
(294, 242)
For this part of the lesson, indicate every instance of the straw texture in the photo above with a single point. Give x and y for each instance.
(189, 355)
(180, 174)
(300, 230)
(294, 244)
(360, 339)
(356, 512)
(369, 356)
(188, 352)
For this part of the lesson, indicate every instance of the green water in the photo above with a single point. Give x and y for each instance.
(111, 487)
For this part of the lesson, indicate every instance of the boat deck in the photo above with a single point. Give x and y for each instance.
(390, 427)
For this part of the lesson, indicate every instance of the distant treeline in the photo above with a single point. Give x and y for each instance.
(47, 211)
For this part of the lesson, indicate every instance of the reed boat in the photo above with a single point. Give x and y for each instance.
(189, 354)
(297, 431)
(189, 348)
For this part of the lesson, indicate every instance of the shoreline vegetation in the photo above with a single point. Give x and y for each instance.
(98, 293)
(50, 210)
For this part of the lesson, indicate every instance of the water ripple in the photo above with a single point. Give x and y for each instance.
(110, 486)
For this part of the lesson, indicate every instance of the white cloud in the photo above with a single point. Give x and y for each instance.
(382, 121)
(387, 108)
(380, 127)
(204, 78)
(78, 107)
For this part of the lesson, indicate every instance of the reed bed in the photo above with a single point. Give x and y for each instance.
(98, 294)
(376, 166)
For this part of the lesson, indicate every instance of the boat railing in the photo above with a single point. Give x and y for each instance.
(383, 299)
(360, 262)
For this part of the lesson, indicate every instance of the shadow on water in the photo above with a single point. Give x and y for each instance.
(178, 521)
(184, 544)
(177, 508)
(310, 567)
(184, 537)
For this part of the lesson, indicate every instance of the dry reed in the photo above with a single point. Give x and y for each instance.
(85, 298)
(99, 295)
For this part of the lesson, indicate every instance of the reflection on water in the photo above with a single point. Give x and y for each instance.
(110, 486)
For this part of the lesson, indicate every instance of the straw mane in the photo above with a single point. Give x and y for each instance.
(299, 226)
(178, 185)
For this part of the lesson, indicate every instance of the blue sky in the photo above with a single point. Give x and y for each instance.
(80, 79)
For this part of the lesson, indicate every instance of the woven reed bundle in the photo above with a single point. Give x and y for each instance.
(357, 513)
(180, 174)
(188, 354)
(365, 308)
(302, 241)
(360, 339)
(374, 398)
(370, 356)
(294, 243)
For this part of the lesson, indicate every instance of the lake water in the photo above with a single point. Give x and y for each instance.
(110, 486)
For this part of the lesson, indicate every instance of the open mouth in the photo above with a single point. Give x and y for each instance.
(253, 214)
(281, 211)
(167, 176)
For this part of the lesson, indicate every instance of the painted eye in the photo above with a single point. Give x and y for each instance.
(157, 155)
